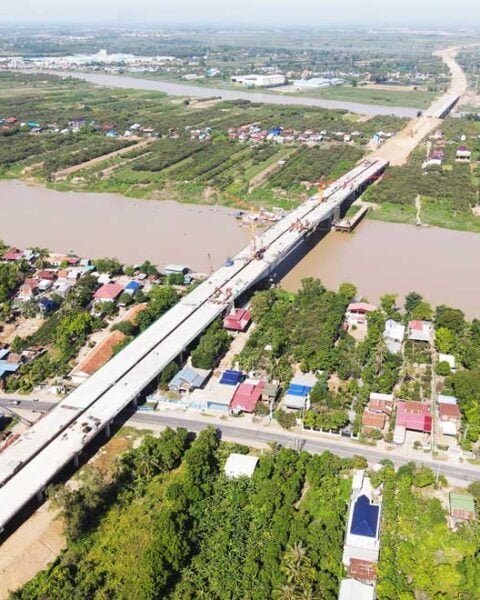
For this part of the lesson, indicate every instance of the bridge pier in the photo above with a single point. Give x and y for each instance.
(107, 430)
(135, 402)
(76, 461)
(40, 495)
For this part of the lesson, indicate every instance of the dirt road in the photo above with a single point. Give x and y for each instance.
(30, 549)
(398, 149)
(64, 173)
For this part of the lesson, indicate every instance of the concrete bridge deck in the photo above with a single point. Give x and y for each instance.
(28, 465)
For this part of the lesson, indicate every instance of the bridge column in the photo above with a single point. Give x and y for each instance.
(76, 461)
(135, 402)
(107, 430)
(40, 495)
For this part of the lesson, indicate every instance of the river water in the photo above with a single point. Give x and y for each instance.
(97, 225)
(441, 264)
(183, 89)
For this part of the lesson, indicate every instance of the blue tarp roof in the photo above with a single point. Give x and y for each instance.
(132, 285)
(231, 377)
(365, 518)
(298, 390)
(188, 376)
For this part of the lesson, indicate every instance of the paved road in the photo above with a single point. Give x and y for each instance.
(29, 404)
(180, 89)
(251, 436)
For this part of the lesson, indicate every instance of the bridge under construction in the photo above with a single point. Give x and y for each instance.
(34, 459)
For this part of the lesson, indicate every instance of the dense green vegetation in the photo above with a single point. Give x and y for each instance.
(421, 557)
(170, 525)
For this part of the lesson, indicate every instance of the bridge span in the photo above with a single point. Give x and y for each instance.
(33, 460)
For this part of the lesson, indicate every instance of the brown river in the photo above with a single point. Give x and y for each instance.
(97, 225)
(442, 265)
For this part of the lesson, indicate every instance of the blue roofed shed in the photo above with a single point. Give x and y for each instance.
(188, 378)
(132, 287)
(365, 518)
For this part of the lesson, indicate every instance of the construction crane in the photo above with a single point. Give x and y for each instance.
(255, 253)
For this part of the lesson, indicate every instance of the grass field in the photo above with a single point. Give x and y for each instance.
(410, 99)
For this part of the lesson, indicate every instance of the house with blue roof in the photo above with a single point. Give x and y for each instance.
(362, 540)
(188, 379)
(298, 392)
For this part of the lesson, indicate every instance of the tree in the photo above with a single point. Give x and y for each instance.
(422, 311)
(285, 419)
(111, 266)
(443, 369)
(388, 304)
(412, 300)
(445, 340)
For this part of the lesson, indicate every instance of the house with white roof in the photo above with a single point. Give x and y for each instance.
(420, 331)
(393, 335)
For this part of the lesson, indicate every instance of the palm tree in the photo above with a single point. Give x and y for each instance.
(286, 592)
(41, 257)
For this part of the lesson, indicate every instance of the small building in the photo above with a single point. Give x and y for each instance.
(463, 155)
(231, 377)
(351, 589)
(246, 396)
(13, 254)
(393, 334)
(238, 320)
(442, 399)
(62, 287)
(462, 506)
(270, 391)
(189, 378)
(414, 416)
(362, 570)
(435, 159)
(449, 359)
(132, 287)
(373, 421)
(420, 331)
(298, 392)
(357, 312)
(255, 81)
(240, 465)
(450, 418)
(380, 402)
(216, 396)
(362, 540)
(109, 292)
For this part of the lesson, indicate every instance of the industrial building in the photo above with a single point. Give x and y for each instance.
(259, 81)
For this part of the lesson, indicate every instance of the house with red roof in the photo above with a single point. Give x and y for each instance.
(463, 155)
(246, 396)
(28, 289)
(414, 416)
(109, 292)
(13, 254)
(238, 320)
(420, 331)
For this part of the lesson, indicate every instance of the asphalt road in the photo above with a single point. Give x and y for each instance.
(26, 404)
(465, 472)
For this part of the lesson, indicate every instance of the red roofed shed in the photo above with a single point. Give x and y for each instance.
(246, 397)
(449, 412)
(238, 320)
(362, 570)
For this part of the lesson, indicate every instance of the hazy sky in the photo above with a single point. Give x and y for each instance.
(307, 12)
